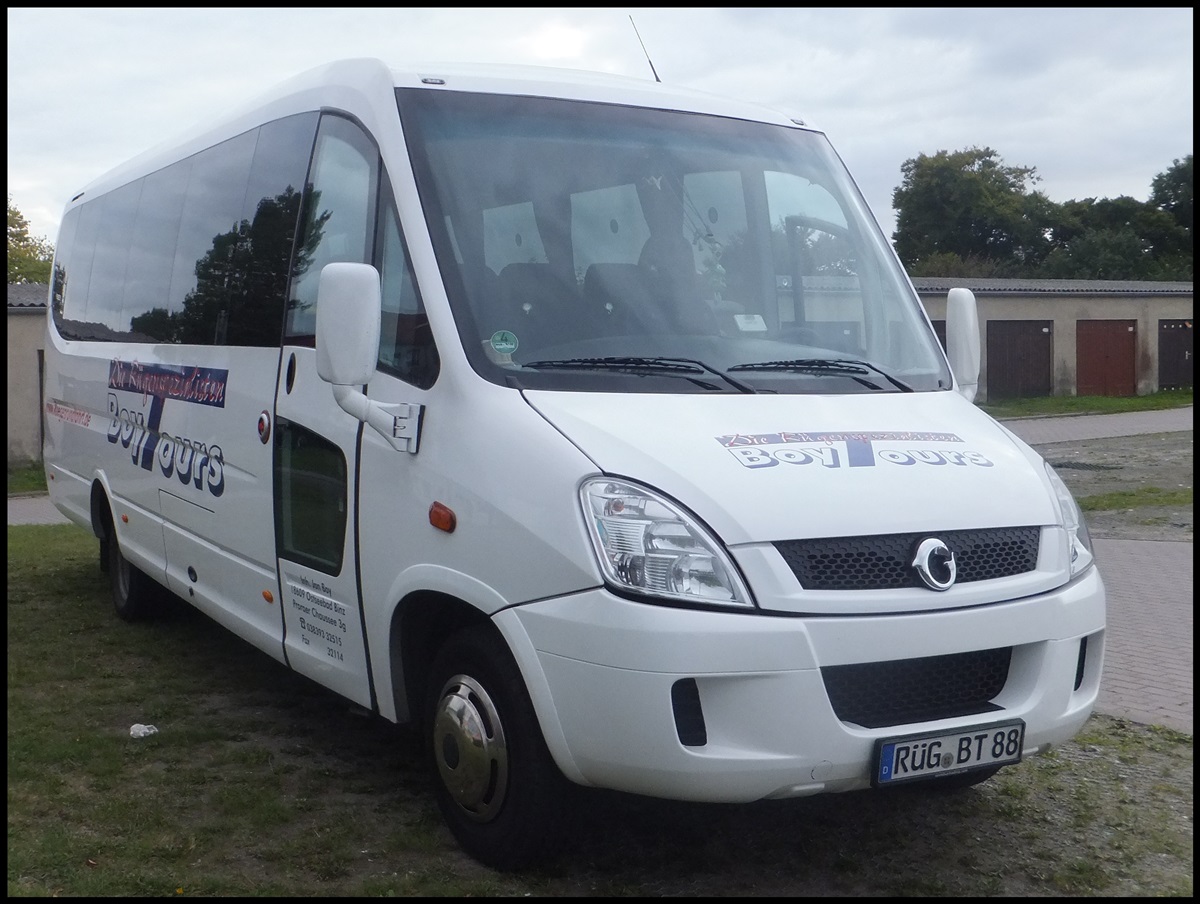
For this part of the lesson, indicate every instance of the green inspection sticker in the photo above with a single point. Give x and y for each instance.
(504, 342)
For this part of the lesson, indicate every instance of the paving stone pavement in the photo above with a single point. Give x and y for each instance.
(1148, 656)
(1148, 673)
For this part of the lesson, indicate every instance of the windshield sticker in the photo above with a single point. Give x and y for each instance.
(504, 342)
(135, 422)
(858, 449)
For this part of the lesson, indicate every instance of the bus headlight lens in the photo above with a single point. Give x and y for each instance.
(1073, 521)
(647, 544)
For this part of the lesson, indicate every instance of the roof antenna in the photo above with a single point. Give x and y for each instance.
(643, 43)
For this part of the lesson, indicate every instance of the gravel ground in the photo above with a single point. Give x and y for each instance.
(1125, 464)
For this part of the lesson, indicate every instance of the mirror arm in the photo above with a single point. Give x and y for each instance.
(399, 424)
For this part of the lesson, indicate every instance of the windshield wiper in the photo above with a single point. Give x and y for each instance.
(676, 366)
(836, 366)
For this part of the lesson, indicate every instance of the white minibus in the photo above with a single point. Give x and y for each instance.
(590, 425)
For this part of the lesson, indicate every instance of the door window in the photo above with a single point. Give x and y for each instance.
(310, 498)
(339, 217)
(406, 346)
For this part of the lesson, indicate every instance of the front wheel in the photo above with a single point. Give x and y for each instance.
(497, 786)
(132, 591)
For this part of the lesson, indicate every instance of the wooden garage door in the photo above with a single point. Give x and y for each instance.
(1175, 351)
(1106, 357)
(1019, 358)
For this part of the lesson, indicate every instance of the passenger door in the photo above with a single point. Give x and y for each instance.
(315, 443)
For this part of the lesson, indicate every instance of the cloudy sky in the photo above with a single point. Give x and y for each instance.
(1098, 101)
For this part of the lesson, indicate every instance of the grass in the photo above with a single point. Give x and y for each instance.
(260, 783)
(26, 478)
(1059, 405)
(1129, 499)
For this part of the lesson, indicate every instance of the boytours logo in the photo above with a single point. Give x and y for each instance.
(855, 449)
(137, 427)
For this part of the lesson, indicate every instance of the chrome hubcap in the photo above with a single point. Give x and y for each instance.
(469, 746)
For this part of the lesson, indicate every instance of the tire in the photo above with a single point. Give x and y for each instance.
(132, 591)
(497, 787)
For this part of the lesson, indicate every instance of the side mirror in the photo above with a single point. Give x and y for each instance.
(348, 309)
(962, 340)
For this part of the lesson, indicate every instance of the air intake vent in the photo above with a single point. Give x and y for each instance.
(884, 561)
(878, 694)
(689, 717)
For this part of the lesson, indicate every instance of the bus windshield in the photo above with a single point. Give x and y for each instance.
(604, 247)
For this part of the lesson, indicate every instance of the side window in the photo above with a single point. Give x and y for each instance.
(155, 235)
(79, 271)
(406, 346)
(206, 255)
(62, 255)
(198, 252)
(310, 498)
(267, 230)
(118, 209)
(339, 216)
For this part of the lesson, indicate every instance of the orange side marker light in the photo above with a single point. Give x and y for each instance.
(441, 517)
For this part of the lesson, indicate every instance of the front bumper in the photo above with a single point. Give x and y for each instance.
(600, 670)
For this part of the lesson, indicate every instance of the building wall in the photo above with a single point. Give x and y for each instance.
(1065, 311)
(26, 339)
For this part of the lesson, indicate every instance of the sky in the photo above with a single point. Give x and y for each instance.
(1097, 101)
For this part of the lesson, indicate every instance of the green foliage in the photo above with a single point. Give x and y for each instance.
(967, 203)
(26, 477)
(1127, 499)
(1171, 191)
(29, 258)
(1051, 405)
(966, 213)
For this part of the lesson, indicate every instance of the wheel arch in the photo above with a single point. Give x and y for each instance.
(420, 625)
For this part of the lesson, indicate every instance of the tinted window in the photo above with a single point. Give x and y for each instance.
(107, 287)
(79, 271)
(310, 498)
(267, 231)
(197, 252)
(339, 215)
(152, 252)
(62, 259)
(405, 341)
(208, 240)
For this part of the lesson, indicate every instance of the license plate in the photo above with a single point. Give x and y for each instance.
(906, 759)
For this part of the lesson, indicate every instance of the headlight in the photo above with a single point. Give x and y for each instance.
(647, 544)
(1073, 521)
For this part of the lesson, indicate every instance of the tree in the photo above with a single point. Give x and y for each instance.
(1112, 238)
(967, 214)
(29, 258)
(1171, 191)
(970, 205)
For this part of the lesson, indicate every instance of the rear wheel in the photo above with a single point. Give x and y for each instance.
(497, 786)
(132, 591)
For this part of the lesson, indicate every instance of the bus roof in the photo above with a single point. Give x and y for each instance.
(366, 88)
